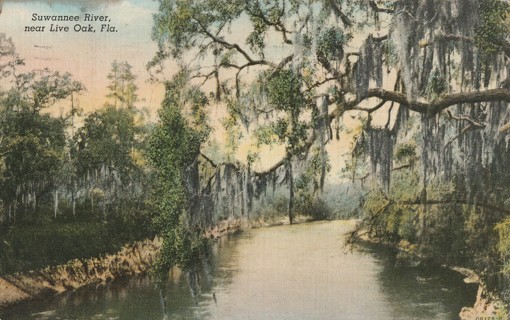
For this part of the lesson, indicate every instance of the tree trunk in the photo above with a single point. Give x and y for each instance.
(246, 210)
(291, 191)
(55, 203)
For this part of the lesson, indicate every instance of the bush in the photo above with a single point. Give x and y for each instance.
(314, 207)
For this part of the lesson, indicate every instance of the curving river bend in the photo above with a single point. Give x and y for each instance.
(285, 272)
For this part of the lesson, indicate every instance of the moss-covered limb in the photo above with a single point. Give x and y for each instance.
(444, 102)
(457, 201)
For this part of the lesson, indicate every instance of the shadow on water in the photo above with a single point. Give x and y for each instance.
(298, 272)
(423, 292)
(136, 297)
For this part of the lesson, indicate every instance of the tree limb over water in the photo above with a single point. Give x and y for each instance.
(442, 103)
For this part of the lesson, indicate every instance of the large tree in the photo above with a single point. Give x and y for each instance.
(108, 150)
(435, 72)
(421, 56)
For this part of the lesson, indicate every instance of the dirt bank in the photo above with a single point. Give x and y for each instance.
(130, 260)
(487, 306)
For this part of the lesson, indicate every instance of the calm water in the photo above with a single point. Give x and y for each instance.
(287, 272)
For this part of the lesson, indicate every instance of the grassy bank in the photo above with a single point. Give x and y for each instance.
(34, 246)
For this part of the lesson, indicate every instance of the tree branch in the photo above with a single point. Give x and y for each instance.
(504, 127)
(234, 46)
(277, 25)
(444, 37)
(465, 118)
(500, 94)
(457, 201)
(466, 129)
(338, 12)
(327, 65)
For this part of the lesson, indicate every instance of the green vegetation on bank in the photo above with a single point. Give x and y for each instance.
(31, 247)
(68, 191)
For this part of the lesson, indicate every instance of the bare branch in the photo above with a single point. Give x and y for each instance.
(229, 45)
(326, 64)
(338, 12)
(463, 131)
(375, 108)
(445, 37)
(319, 83)
(465, 118)
(504, 128)
(205, 76)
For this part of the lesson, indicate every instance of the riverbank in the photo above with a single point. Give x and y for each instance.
(487, 304)
(131, 260)
(317, 279)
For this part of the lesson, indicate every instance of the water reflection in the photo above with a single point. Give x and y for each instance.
(298, 272)
(423, 292)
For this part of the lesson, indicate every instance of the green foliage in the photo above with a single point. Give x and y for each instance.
(40, 89)
(482, 238)
(330, 44)
(307, 187)
(503, 229)
(492, 30)
(181, 24)
(284, 91)
(33, 145)
(272, 209)
(271, 134)
(398, 216)
(48, 188)
(108, 137)
(436, 84)
(255, 39)
(313, 207)
(173, 146)
(405, 153)
(33, 153)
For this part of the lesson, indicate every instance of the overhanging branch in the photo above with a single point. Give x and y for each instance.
(457, 201)
(500, 94)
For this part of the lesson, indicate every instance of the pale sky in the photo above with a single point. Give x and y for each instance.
(87, 56)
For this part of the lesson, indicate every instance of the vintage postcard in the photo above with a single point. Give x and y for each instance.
(265, 159)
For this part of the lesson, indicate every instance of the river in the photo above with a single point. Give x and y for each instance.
(285, 272)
